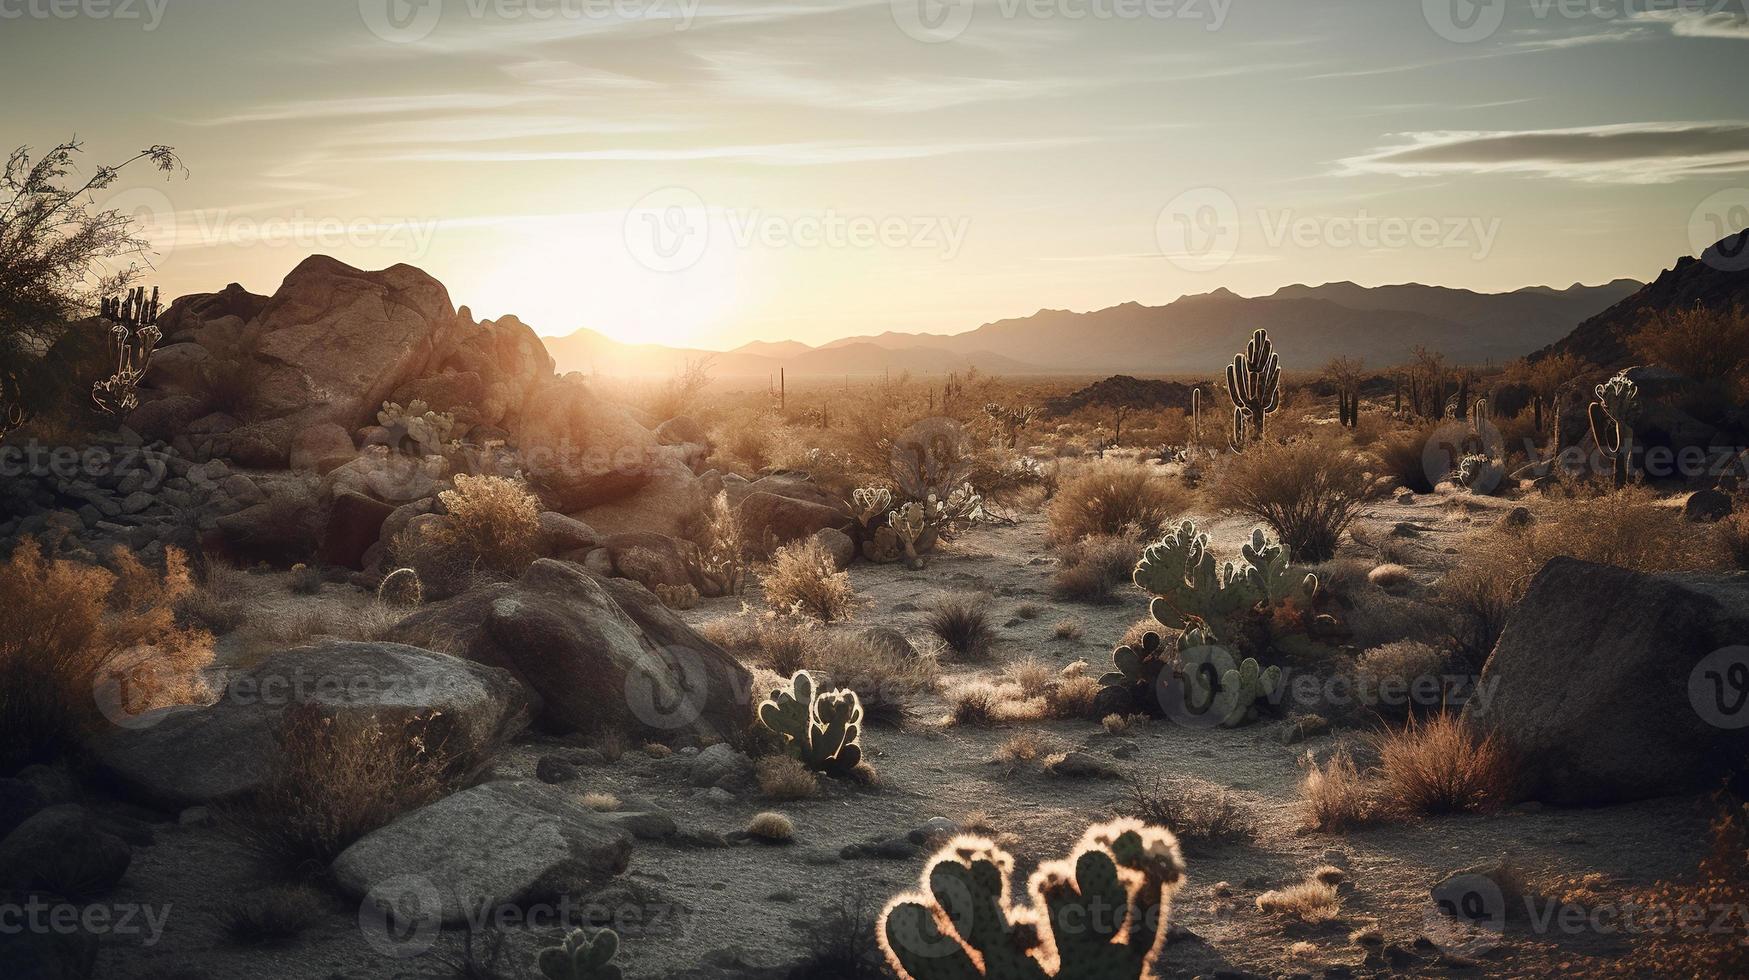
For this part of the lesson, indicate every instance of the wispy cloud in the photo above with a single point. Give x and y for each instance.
(378, 105)
(1698, 23)
(755, 76)
(796, 154)
(1628, 153)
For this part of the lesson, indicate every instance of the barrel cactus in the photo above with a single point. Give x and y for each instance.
(586, 954)
(1099, 914)
(820, 729)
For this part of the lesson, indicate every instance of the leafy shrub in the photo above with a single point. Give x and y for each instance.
(963, 623)
(1308, 492)
(1115, 498)
(803, 578)
(1444, 766)
(67, 627)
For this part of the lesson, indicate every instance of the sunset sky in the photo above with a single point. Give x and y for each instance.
(709, 172)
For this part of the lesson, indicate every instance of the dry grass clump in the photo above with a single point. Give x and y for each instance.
(601, 802)
(1733, 532)
(1200, 813)
(1072, 697)
(1311, 901)
(1029, 610)
(1443, 765)
(1391, 577)
(886, 681)
(779, 643)
(783, 777)
(1308, 491)
(1400, 455)
(1112, 497)
(341, 778)
(68, 630)
(803, 579)
(1334, 796)
(1067, 629)
(963, 623)
(272, 915)
(1387, 675)
(771, 828)
(1091, 568)
(491, 526)
(1026, 745)
(980, 703)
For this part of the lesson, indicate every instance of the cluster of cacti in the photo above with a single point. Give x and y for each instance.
(1347, 408)
(1254, 383)
(1612, 418)
(911, 530)
(1099, 914)
(1227, 693)
(1010, 421)
(1190, 590)
(401, 589)
(821, 730)
(586, 954)
(1137, 667)
(428, 430)
(134, 332)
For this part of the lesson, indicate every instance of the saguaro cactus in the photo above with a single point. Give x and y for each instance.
(1099, 914)
(1196, 415)
(1612, 418)
(1254, 383)
(134, 331)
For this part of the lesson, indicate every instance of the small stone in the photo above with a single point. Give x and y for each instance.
(1707, 506)
(195, 816)
(1081, 765)
(933, 830)
(552, 769)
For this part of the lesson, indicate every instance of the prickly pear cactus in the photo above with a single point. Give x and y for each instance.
(883, 546)
(1099, 914)
(586, 954)
(1213, 684)
(1189, 590)
(911, 524)
(870, 504)
(822, 730)
(401, 589)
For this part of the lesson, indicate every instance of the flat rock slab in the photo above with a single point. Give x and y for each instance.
(196, 756)
(495, 845)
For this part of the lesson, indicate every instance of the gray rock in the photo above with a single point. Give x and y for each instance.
(1707, 506)
(552, 769)
(838, 545)
(495, 845)
(644, 824)
(1081, 765)
(720, 765)
(191, 756)
(63, 850)
(561, 535)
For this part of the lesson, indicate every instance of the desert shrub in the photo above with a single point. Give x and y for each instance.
(1443, 765)
(305, 580)
(338, 779)
(1334, 797)
(1115, 498)
(1708, 346)
(980, 703)
(887, 682)
(750, 446)
(771, 828)
(1067, 629)
(784, 777)
(1311, 901)
(492, 526)
(1384, 675)
(680, 597)
(68, 629)
(842, 944)
(1092, 567)
(1072, 696)
(1029, 610)
(963, 623)
(1308, 491)
(1026, 745)
(275, 914)
(1733, 534)
(1198, 812)
(781, 644)
(802, 578)
(1401, 457)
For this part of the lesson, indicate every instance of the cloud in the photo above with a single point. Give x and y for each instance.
(379, 105)
(757, 77)
(1698, 23)
(1629, 153)
(796, 154)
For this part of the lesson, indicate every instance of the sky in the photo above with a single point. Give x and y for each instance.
(712, 172)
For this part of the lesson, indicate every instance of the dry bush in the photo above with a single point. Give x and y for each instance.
(1334, 796)
(1390, 576)
(1733, 534)
(1072, 697)
(771, 828)
(1026, 745)
(1701, 344)
(1115, 498)
(1029, 610)
(1311, 901)
(492, 526)
(1401, 457)
(963, 623)
(1067, 629)
(339, 779)
(1385, 675)
(68, 630)
(1443, 765)
(783, 777)
(1132, 636)
(1308, 491)
(886, 681)
(982, 704)
(275, 914)
(778, 643)
(1721, 882)
(601, 802)
(1090, 569)
(749, 444)
(802, 578)
(1200, 813)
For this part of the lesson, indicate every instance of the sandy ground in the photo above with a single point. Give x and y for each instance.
(752, 903)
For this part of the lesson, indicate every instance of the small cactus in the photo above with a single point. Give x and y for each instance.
(134, 331)
(1612, 418)
(586, 954)
(822, 731)
(1189, 590)
(911, 524)
(1231, 693)
(401, 589)
(1099, 914)
(869, 504)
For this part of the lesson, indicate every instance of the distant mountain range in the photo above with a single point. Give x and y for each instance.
(1194, 334)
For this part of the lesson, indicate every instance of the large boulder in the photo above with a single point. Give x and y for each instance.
(597, 653)
(768, 519)
(495, 846)
(1603, 683)
(354, 522)
(670, 500)
(580, 451)
(199, 755)
(653, 559)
